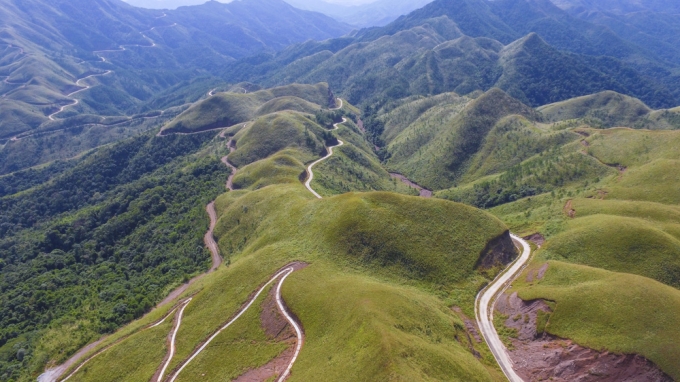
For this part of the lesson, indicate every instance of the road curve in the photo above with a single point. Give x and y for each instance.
(294, 324)
(75, 101)
(485, 303)
(285, 273)
(54, 374)
(173, 337)
(339, 107)
(310, 173)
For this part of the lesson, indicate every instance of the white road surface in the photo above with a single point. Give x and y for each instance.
(486, 300)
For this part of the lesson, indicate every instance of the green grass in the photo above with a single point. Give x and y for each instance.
(620, 244)
(437, 151)
(619, 312)
(354, 167)
(228, 109)
(407, 276)
(241, 347)
(272, 133)
(143, 353)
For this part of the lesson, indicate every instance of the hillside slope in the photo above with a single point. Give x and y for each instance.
(361, 272)
(142, 52)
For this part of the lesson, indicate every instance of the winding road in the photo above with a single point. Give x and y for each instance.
(484, 306)
(298, 330)
(310, 173)
(75, 101)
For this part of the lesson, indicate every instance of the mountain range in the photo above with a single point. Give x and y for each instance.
(250, 191)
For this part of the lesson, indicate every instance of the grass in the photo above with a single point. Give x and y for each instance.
(407, 276)
(354, 167)
(272, 133)
(436, 152)
(621, 244)
(389, 265)
(228, 109)
(241, 347)
(620, 312)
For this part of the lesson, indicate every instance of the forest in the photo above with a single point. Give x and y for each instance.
(100, 244)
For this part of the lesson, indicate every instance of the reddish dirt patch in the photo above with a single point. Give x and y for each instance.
(569, 210)
(585, 143)
(582, 133)
(471, 331)
(539, 357)
(536, 238)
(537, 274)
(424, 193)
(277, 329)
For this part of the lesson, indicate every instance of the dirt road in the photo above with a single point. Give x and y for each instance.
(310, 173)
(484, 306)
(283, 274)
(75, 101)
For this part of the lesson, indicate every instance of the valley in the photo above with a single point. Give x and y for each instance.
(475, 190)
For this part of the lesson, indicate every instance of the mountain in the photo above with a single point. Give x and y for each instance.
(621, 6)
(468, 45)
(142, 52)
(376, 13)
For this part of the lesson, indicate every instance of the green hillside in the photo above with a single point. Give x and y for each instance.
(607, 310)
(372, 260)
(228, 109)
(611, 109)
(436, 150)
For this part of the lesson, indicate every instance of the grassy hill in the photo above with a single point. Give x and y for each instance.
(606, 310)
(436, 150)
(373, 264)
(228, 109)
(611, 109)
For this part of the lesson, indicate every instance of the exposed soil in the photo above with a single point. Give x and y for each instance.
(536, 238)
(274, 324)
(539, 356)
(277, 328)
(569, 210)
(471, 331)
(230, 182)
(537, 274)
(585, 143)
(424, 192)
(499, 251)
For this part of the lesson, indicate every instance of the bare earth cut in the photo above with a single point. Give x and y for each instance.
(539, 356)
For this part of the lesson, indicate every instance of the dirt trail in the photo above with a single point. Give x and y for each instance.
(281, 276)
(171, 342)
(53, 375)
(310, 173)
(75, 101)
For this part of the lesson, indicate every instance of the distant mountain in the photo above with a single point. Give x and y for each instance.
(621, 6)
(377, 13)
(532, 49)
(50, 45)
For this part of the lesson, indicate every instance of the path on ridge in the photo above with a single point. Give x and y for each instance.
(310, 172)
(53, 375)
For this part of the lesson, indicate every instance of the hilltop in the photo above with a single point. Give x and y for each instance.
(359, 270)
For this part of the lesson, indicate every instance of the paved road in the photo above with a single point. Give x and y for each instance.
(308, 183)
(283, 275)
(486, 300)
(75, 101)
(173, 339)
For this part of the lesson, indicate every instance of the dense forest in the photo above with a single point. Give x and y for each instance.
(100, 244)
